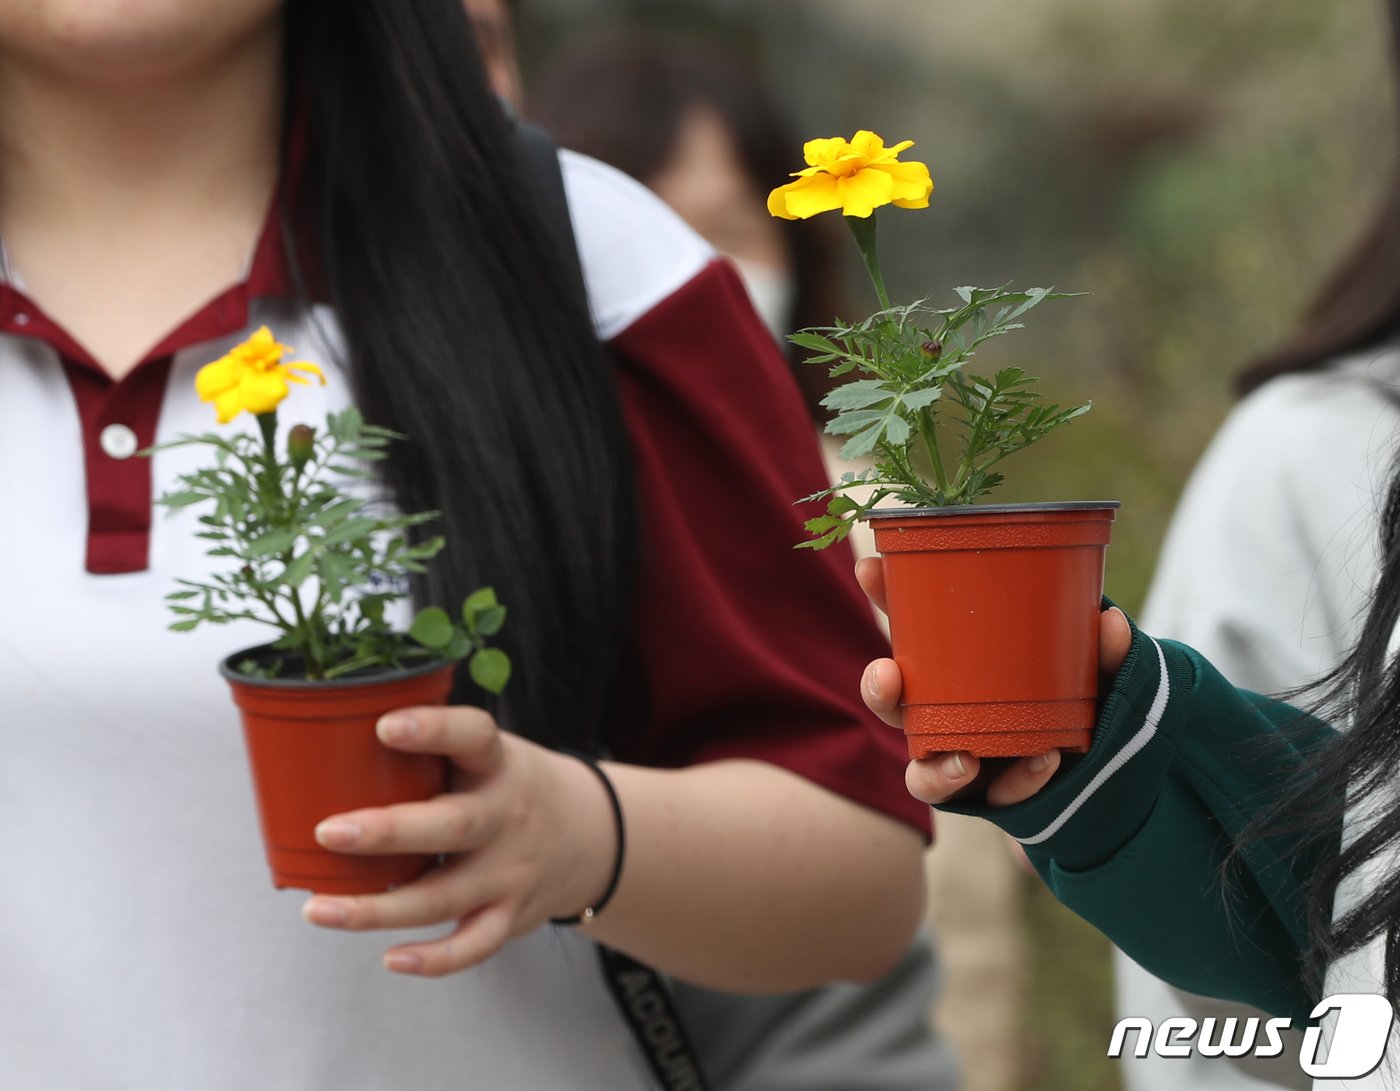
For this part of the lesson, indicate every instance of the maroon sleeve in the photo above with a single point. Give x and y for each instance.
(747, 647)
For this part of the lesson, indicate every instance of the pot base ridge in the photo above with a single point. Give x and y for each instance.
(1000, 729)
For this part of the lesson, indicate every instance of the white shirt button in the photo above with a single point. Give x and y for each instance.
(21, 318)
(118, 441)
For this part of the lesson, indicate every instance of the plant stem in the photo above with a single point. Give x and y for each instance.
(271, 603)
(912, 488)
(267, 422)
(928, 428)
(270, 478)
(863, 228)
(976, 426)
(313, 471)
(314, 667)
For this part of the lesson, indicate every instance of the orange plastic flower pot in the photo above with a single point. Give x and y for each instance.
(313, 753)
(994, 619)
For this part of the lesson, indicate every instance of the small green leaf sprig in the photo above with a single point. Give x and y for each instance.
(934, 430)
(315, 563)
(482, 617)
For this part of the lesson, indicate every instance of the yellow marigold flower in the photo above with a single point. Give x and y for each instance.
(252, 376)
(856, 176)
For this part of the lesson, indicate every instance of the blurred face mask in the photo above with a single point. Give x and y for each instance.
(772, 292)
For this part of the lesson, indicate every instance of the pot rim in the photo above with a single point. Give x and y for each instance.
(393, 674)
(993, 509)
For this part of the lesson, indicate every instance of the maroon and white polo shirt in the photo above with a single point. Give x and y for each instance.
(142, 944)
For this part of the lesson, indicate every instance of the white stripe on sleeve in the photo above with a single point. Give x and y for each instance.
(1120, 759)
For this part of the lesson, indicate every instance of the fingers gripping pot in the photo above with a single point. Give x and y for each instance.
(994, 620)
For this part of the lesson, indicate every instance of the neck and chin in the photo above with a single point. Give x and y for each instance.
(138, 157)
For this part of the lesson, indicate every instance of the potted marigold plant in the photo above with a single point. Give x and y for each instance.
(993, 609)
(303, 549)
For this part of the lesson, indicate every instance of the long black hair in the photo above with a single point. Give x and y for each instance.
(465, 330)
(1348, 798)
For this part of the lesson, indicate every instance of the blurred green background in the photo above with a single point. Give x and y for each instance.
(1195, 166)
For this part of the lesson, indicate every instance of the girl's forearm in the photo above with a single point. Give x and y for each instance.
(743, 876)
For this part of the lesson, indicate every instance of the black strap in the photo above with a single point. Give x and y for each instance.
(540, 157)
(641, 995)
(647, 1005)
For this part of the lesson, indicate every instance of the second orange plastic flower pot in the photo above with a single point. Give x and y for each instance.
(994, 620)
(313, 752)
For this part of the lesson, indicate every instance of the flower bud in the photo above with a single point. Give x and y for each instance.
(301, 444)
(932, 350)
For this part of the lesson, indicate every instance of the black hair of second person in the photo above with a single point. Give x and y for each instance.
(1358, 306)
(462, 331)
(1354, 774)
(624, 97)
(1350, 782)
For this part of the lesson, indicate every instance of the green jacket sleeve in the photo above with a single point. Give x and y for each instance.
(1134, 836)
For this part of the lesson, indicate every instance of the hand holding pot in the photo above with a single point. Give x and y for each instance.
(529, 834)
(942, 777)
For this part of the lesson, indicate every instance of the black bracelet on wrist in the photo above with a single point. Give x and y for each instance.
(601, 904)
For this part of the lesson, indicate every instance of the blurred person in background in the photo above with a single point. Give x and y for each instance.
(1272, 555)
(693, 123)
(493, 27)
